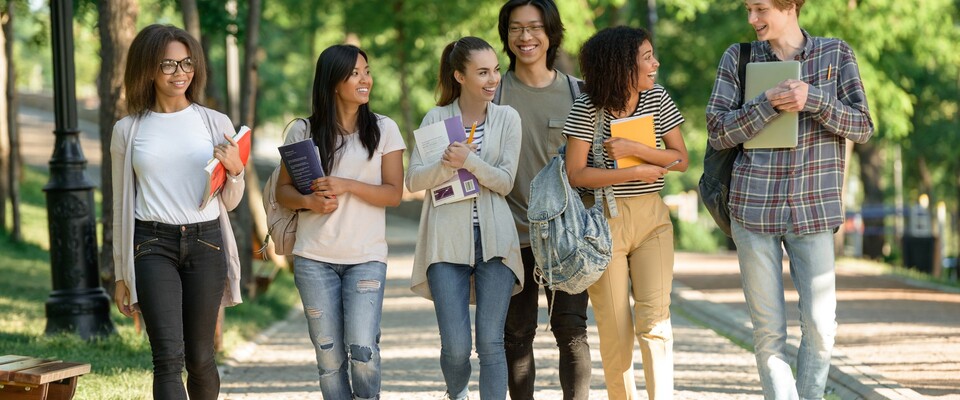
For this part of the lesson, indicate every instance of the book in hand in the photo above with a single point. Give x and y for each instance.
(432, 140)
(638, 129)
(302, 160)
(784, 130)
(217, 174)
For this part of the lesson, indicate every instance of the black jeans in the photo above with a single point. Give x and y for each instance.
(181, 273)
(569, 325)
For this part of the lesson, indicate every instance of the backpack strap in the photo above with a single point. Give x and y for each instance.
(745, 50)
(604, 193)
(576, 86)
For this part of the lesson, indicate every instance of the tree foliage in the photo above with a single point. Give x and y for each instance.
(906, 50)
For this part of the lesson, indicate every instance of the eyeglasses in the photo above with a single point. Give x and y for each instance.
(169, 67)
(533, 30)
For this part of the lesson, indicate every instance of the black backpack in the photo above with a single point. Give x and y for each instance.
(718, 164)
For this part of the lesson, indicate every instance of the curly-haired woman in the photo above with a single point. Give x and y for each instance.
(620, 69)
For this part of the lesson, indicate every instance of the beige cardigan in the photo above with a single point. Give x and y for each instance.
(124, 203)
(446, 232)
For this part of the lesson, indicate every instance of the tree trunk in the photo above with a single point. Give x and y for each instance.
(406, 109)
(191, 17)
(5, 182)
(251, 46)
(871, 172)
(12, 128)
(118, 26)
(926, 181)
(248, 114)
(213, 96)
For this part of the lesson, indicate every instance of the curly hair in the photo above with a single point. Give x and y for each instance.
(608, 62)
(143, 63)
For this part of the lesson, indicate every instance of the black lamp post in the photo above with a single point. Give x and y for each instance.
(77, 303)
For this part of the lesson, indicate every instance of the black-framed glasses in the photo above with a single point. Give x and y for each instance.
(169, 67)
(533, 30)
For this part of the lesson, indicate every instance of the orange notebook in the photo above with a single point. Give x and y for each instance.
(217, 174)
(638, 129)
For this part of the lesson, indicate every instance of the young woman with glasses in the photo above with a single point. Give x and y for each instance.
(176, 264)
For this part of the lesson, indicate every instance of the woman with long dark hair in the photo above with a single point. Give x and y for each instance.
(468, 251)
(620, 70)
(175, 263)
(341, 248)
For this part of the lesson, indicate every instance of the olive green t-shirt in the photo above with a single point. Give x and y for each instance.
(543, 112)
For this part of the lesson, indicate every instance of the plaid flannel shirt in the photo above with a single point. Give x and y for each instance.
(779, 191)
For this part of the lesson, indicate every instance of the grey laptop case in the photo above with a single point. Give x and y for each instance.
(782, 132)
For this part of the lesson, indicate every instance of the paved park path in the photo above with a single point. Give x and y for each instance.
(898, 338)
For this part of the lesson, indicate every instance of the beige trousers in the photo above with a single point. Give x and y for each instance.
(642, 266)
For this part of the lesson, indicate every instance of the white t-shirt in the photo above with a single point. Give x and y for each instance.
(169, 154)
(356, 232)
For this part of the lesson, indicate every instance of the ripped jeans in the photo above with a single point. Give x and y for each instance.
(343, 305)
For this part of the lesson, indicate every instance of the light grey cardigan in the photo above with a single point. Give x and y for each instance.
(446, 232)
(124, 203)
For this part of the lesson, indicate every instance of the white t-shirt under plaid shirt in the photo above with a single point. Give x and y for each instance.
(582, 121)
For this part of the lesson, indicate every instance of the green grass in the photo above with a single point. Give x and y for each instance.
(121, 366)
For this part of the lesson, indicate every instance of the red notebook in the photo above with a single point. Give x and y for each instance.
(217, 174)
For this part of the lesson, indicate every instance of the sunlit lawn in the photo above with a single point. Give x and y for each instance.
(121, 367)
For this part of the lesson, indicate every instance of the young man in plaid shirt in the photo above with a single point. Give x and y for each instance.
(789, 198)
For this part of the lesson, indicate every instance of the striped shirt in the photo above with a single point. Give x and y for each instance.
(477, 140)
(779, 191)
(581, 124)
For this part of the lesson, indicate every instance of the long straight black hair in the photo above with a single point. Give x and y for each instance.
(334, 66)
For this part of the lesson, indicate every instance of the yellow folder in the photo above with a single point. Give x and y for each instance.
(638, 129)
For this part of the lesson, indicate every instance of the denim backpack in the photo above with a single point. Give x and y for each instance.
(718, 164)
(571, 243)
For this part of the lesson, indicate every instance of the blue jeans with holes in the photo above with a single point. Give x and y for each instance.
(814, 277)
(450, 286)
(181, 272)
(343, 305)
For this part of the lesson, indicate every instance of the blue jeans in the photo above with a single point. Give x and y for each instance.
(181, 272)
(450, 286)
(330, 293)
(813, 275)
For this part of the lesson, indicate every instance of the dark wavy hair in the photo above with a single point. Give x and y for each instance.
(608, 62)
(454, 58)
(143, 62)
(552, 27)
(334, 66)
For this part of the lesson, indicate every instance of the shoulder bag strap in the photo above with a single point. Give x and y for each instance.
(576, 86)
(604, 193)
(745, 50)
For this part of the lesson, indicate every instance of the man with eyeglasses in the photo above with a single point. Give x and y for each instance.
(531, 32)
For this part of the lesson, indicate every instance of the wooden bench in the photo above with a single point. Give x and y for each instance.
(27, 378)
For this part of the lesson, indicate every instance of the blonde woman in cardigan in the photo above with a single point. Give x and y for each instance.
(468, 251)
